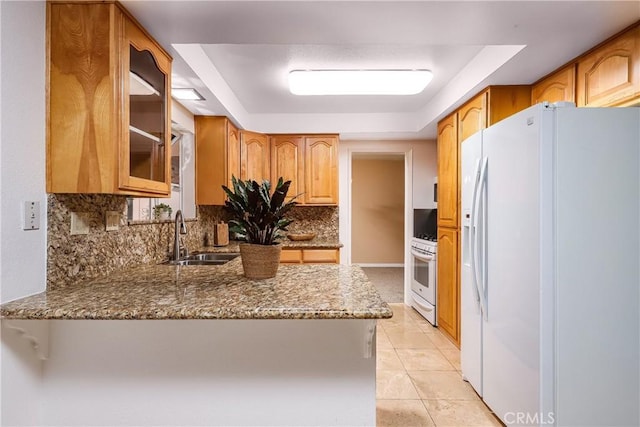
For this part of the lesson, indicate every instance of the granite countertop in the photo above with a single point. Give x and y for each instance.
(286, 244)
(325, 291)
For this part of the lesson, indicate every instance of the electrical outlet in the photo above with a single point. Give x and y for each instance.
(112, 220)
(31, 216)
(79, 223)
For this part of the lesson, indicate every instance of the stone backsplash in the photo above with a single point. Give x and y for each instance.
(322, 220)
(85, 256)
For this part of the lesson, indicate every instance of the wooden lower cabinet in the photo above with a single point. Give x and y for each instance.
(448, 283)
(310, 256)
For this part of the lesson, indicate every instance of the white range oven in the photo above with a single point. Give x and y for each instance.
(423, 276)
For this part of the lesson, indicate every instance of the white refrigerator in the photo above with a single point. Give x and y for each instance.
(550, 272)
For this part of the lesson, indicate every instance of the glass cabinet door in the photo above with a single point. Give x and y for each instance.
(147, 117)
(145, 150)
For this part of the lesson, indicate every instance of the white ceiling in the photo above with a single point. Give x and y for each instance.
(238, 53)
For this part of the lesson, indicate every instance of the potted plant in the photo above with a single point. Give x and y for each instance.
(259, 215)
(162, 211)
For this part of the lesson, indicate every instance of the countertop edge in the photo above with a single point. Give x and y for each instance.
(123, 315)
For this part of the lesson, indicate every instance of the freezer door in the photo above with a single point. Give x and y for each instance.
(511, 331)
(471, 317)
(597, 290)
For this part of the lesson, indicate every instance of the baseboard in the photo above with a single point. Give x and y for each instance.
(378, 265)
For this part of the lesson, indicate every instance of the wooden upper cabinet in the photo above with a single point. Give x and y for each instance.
(559, 86)
(321, 170)
(217, 158)
(472, 116)
(610, 75)
(490, 106)
(287, 161)
(448, 171)
(504, 101)
(222, 151)
(254, 156)
(108, 112)
(448, 283)
(233, 153)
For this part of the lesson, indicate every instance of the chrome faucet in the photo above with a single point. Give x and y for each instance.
(180, 228)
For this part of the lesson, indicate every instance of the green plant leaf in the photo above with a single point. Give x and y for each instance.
(256, 212)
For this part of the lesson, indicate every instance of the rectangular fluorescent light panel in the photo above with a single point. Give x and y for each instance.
(186, 94)
(358, 82)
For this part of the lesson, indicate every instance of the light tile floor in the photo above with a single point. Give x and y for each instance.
(418, 377)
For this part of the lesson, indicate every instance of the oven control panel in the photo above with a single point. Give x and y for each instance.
(423, 247)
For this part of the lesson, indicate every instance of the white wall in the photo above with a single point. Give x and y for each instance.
(206, 373)
(22, 178)
(22, 253)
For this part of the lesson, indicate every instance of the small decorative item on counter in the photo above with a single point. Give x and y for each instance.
(259, 215)
(162, 211)
(301, 236)
(221, 234)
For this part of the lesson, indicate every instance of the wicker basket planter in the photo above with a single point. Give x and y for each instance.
(260, 261)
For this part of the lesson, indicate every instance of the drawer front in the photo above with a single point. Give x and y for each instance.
(320, 255)
(291, 256)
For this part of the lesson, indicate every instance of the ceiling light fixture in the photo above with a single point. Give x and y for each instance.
(358, 82)
(186, 94)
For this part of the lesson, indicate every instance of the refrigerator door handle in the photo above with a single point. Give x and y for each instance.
(472, 232)
(480, 255)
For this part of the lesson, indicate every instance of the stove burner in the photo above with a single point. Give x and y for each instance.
(429, 237)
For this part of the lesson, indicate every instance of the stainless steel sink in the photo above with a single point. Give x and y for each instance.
(208, 258)
(213, 256)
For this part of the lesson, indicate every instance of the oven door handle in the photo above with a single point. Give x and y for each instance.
(422, 257)
(422, 306)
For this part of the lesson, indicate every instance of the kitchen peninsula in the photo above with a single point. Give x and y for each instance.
(202, 345)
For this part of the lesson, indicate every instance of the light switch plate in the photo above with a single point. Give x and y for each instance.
(112, 221)
(79, 223)
(31, 216)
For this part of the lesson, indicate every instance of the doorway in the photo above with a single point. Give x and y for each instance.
(378, 220)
